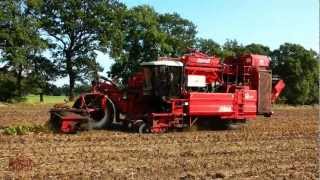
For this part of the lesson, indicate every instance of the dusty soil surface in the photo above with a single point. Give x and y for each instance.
(26, 114)
(282, 147)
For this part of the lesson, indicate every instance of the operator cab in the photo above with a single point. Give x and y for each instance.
(163, 78)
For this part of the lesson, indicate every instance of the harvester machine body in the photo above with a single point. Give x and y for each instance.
(177, 93)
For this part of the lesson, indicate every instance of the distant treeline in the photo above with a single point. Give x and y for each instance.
(54, 90)
(43, 40)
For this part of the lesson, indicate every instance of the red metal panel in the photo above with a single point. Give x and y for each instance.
(212, 74)
(206, 104)
(240, 105)
(250, 103)
(260, 60)
(200, 59)
(277, 89)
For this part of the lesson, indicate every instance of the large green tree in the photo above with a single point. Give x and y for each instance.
(142, 41)
(41, 72)
(232, 48)
(299, 69)
(20, 40)
(148, 35)
(76, 29)
(180, 34)
(209, 47)
(257, 49)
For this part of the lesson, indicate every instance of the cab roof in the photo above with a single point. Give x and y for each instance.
(163, 63)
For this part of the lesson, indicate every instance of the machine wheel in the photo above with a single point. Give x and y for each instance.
(233, 126)
(128, 126)
(143, 128)
(104, 122)
(268, 114)
(54, 123)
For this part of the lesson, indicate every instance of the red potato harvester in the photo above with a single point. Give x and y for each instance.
(173, 93)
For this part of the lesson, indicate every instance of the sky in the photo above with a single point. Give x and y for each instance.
(268, 22)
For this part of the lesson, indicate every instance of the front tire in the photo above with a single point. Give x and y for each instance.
(143, 128)
(234, 125)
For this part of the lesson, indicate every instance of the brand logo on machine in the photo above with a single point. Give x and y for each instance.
(203, 61)
(225, 109)
(248, 96)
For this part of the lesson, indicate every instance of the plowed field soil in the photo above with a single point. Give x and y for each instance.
(284, 146)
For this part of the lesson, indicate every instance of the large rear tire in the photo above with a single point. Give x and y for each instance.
(105, 121)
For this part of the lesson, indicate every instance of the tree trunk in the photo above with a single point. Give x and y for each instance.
(41, 97)
(71, 74)
(71, 86)
(19, 79)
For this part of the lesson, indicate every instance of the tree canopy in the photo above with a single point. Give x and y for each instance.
(257, 49)
(75, 30)
(148, 35)
(299, 68)
(180, 34)
(209, 47)
(232, 48)
(20, 41)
